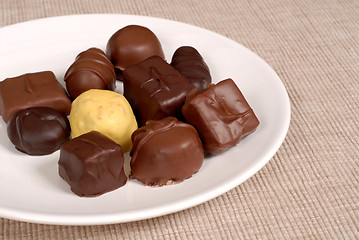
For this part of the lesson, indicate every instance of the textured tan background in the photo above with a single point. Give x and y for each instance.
(309, 189)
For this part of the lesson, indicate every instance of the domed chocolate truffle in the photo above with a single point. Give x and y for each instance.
(131, 45)
(91, 70)
(165, 151)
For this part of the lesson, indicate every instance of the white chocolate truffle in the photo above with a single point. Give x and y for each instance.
(104, 111)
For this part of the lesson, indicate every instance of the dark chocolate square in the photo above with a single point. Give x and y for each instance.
(155, 89)
(92, 164)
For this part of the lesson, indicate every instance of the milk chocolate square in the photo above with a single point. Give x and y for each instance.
(39, 89)
(92, 164)
(155, 89)
(221, 116)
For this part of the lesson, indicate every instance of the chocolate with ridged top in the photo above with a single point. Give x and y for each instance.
(165, 151)
(38, 130)
(92, 164)
(155, 89)
(90, 70)
(189, 62)
(40, 89)
(221, 116)
(131, 45)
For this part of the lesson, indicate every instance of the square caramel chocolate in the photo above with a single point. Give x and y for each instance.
(92, 164)
(221, 116)
(39, 89)
(155, 89)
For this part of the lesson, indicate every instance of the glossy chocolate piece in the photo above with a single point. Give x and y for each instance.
(39, 89)
(189, 62)
(131, 45)
(38, 130)
(221, 116)
(92, 164)
(165, 151)
(155, 89)
(90, 70)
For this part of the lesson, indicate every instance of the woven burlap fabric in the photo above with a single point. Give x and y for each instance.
(309, 189)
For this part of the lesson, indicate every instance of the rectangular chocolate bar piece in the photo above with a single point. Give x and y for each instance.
(155, 89)
(39, 89)
(221, 116)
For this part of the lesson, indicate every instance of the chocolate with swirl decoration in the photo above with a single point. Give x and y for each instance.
(90, 70)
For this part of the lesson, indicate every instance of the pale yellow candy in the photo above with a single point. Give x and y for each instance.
(104, 111)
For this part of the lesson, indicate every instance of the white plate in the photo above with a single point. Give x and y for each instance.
(31, 189)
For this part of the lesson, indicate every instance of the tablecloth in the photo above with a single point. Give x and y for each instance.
(309, 189)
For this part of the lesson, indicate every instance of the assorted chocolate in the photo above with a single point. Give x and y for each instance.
(39, 89)
(189, 62)
(221, 116)
(165, 151)
(105, 111)
(91, 70)
(181, 114)
(92, 164)
(38, 130)
(155, 89)
(131, 45)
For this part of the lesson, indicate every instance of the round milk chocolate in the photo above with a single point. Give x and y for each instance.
(91, 70)
(131, 45)
(165, 151)
(189, 62)
(38, 130)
